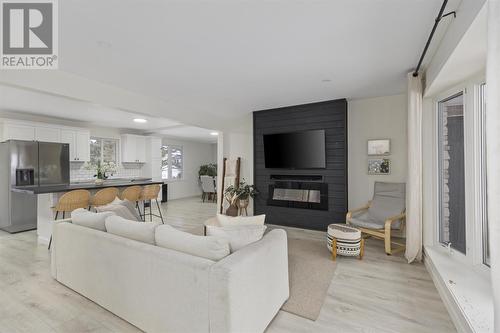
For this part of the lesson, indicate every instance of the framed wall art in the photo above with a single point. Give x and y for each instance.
(379, 147)
(379, 166)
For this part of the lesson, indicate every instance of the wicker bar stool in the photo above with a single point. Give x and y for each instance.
(104, 196)
(70, 201)
(150, 193)
(133, 194)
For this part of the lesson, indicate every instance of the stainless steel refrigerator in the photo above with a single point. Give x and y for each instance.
(25, 166)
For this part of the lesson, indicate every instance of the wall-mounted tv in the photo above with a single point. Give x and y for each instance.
(297, 150)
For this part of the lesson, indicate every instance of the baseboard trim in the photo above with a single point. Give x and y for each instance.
(457, 316)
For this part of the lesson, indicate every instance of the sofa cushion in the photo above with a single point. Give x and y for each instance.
(89, 219)
(122, 208)
(209, 247)
(139, 231)
(225, 220)
(238, 236)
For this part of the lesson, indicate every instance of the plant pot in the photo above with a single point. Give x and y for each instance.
(232, 210)
(99, 181)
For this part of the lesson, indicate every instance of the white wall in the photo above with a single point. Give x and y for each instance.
(213, 148)
(238, 142)
(375, 118)
(195, 154)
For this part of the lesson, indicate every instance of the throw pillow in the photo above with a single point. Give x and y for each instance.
(238, 236)
(122, 208)
(225, 220)
(209, 247)
(139, 231)
(89, 219)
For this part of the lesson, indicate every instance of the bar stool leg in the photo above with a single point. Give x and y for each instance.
(50, 241)
(150, 211)
(139, 209)
(159, 210)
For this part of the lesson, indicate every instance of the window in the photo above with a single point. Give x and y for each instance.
(103, 150)
(172, 161)
(452, 172)
(484, 196)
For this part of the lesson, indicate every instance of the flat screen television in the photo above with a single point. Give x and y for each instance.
(297, 150)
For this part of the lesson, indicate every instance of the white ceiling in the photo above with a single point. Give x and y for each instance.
(208, 63)
(228, 58)
(468, 58)
(33, 105)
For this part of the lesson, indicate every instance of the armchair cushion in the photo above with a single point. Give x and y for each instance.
(388, 200)
(364, 220)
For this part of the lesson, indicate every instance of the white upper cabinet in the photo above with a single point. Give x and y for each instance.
(83, 146)
(48, 134)
(69, 136)
(18, 132)
(133, 148)
(79, 144)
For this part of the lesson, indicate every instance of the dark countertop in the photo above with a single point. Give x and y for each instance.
(82, 186)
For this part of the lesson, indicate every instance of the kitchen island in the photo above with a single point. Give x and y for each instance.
(48, 196)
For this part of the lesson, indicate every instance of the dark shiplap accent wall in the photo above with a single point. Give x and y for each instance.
(330, 116)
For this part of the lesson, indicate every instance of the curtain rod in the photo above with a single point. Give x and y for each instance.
(436, 23)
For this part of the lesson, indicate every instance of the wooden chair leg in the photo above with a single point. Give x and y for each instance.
(387, 239)
(334, 249)
(362, 249)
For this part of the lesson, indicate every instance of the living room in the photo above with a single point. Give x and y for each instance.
(249, 166)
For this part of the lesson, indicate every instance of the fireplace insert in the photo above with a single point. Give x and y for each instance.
(306, 195)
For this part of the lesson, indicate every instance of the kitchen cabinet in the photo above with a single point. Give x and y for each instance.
(14, 131)
(133, 148)
(79, 144)
(48, 134)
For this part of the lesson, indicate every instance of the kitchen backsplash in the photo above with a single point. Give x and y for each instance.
(79, 173)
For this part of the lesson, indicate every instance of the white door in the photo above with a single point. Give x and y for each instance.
(128, 149)
(68, 136)
(19, 132)
(48, 134)
(141, 149)
(83, 146)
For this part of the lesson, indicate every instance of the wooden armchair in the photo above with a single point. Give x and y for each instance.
(383, 215)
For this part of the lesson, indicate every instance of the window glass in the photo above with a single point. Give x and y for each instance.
(103, 150)
(172, 162)
(484, 196)
(452, 172)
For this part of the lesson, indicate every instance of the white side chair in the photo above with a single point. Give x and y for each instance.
(208, 188)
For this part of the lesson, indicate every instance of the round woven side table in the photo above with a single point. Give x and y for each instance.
(345, 240)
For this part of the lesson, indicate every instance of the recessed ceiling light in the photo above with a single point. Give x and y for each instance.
(140, 120)
(214, 133)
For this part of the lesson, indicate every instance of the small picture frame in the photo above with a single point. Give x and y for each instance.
(379, 166)
(379, 147)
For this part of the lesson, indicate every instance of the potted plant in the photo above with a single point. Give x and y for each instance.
(208, 170)
(239, 197)
(101, 169)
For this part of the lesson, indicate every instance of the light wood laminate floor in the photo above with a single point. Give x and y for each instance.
(379, 294)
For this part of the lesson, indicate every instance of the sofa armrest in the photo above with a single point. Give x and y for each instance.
(53, 269)
(248, 288)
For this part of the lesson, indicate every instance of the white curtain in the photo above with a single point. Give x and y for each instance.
(493, 148)
(414, 182)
